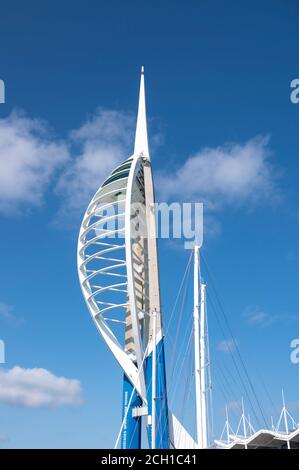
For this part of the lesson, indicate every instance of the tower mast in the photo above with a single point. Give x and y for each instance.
(199, 322)
(155, 370)
(197, 349)
(203, 363)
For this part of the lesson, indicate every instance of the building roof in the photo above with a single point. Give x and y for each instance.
(264, 438)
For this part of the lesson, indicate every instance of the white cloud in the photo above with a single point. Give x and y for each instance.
(30, 156)
(230, 174)
(7, 313)
(6, 310)
(291, 256)
(256, 316)
(28, 160)
(239, 174)
(227, 346)
(35, 388)
(100, 144)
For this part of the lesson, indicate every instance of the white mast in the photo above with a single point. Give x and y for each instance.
(285, 418)
(197, 349)
(203, 364)
(199, 322)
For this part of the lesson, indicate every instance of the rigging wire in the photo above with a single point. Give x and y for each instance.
(269, 397)
(245, 388)
(180, 364)
(227, 386)
(209, 377)
(186, 394)
(171, 367)
(235, 342)
(174, 365)
(186, 273)
(224, 392)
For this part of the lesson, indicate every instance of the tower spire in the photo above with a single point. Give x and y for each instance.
(141, 139)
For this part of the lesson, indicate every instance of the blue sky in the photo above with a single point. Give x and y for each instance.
(218, 80)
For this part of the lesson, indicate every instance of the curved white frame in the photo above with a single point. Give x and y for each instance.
(91, 291)
(131, 360)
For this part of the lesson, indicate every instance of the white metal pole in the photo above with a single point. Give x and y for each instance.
(197, 350)
(203, 364)
(227, 424)
(244, 422)
(154, 375)
(285, 418)
(272, 424)
(285, 413)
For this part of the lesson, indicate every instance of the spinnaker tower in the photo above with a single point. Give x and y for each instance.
(119, 276)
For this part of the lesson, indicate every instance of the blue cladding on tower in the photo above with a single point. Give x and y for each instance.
(162, 427)
(131, 433)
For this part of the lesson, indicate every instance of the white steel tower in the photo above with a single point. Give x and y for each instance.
(119, 277)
